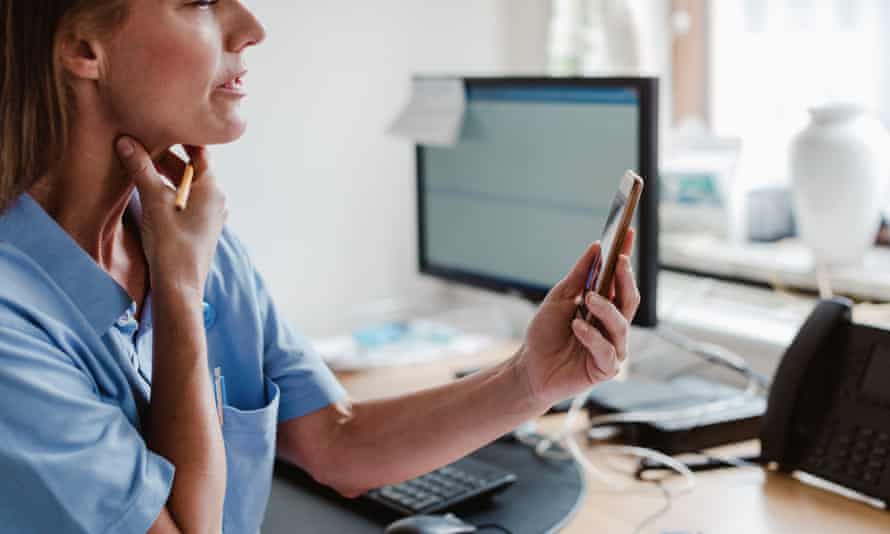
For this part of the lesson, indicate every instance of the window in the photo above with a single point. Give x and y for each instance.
(771, 59)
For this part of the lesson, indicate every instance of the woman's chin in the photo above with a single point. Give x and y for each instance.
(231, 132)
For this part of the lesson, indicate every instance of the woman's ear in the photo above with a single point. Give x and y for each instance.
(81, 57)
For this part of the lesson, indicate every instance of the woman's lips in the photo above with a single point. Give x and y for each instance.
(234, 86)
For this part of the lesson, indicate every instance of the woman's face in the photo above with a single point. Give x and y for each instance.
(174, 72)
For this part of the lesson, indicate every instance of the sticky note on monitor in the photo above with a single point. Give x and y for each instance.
(434, 114)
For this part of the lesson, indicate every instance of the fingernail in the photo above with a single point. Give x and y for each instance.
(579, 325)
(125, 147)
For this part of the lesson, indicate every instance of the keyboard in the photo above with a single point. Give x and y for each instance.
(467, 479)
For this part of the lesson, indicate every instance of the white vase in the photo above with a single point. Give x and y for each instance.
(840, 166)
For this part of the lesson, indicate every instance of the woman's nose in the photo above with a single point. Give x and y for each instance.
(246, 29)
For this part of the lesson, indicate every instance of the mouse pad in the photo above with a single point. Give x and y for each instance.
(541, 501)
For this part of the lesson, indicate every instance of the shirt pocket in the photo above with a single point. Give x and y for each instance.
(250, 454)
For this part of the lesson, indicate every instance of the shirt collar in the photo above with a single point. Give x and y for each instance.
(98, 296)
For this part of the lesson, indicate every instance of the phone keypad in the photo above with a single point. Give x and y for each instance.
(860, 454)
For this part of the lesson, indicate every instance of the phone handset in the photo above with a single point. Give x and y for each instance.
(811, 341)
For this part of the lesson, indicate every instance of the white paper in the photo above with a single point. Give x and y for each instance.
(434, 114)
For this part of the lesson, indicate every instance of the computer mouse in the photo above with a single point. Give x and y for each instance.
(430, 524)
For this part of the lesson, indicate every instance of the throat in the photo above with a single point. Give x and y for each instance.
(128, 267)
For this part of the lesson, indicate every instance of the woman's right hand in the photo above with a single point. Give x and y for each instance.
(182, 423)
(179, 245)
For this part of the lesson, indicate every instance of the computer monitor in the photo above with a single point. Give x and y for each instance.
(529, 184)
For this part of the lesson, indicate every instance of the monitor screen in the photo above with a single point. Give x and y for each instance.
(531, 180)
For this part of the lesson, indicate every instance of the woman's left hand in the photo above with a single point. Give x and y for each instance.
(563, 355)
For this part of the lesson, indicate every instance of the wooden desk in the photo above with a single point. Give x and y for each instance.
(743, 501)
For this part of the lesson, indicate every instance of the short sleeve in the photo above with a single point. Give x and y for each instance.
(70, 461)
(305, 382)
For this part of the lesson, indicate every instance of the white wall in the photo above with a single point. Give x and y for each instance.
(322, 197)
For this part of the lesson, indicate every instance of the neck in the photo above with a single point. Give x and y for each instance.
(87, 193)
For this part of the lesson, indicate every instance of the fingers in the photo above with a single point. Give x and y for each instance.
(171, 166)
(602, 353)
(624, 292)
(139, 166)
(200, 158)
(573, 283)
(627, 246)
(614, 324)
(627, 294)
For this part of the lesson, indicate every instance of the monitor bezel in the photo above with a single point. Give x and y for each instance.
(647, 229)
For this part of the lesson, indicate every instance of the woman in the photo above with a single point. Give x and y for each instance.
(111, 298)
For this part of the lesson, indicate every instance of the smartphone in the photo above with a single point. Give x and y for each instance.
(621, 213)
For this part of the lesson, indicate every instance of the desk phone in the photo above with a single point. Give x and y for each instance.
(828, 412)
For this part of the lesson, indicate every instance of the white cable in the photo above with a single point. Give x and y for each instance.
(639, 452)
(547, 448)
(731, 460)
(665, 508)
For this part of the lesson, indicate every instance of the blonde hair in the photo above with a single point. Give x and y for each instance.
(34, 97)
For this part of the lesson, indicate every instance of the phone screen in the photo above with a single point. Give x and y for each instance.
(607, 241)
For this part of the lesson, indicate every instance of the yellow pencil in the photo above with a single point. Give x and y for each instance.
(185, 187)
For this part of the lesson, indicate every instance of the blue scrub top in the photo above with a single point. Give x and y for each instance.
(75, 380)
